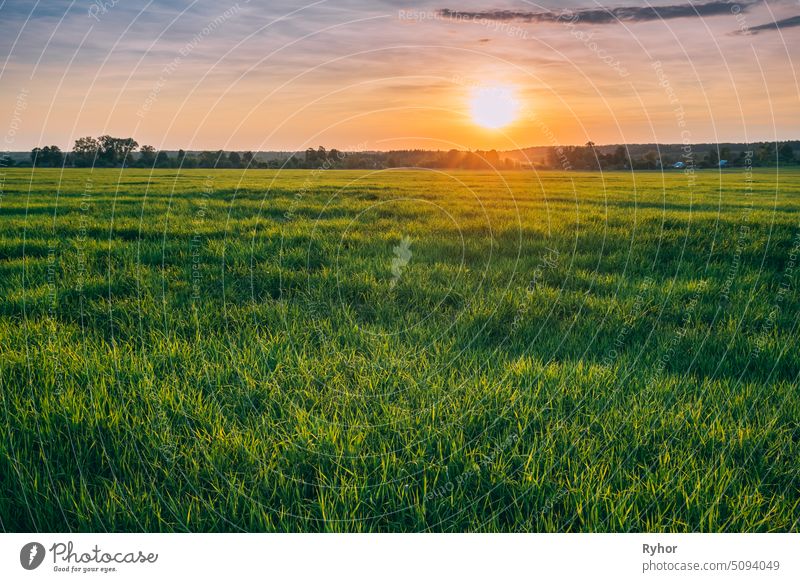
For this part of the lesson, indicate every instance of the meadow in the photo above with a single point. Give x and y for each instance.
(399, 351)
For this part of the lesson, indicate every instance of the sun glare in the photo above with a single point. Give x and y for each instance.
(493, 107)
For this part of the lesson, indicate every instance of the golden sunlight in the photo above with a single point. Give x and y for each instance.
(493, 107)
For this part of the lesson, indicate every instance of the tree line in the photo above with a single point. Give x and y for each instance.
(113, 152)
(592, 157)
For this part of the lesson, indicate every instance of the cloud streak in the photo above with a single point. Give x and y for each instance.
(604, 15)
(777, 25)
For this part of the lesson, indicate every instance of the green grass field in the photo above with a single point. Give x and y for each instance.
(399, 351)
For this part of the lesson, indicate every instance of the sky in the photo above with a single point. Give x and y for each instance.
(382, 74)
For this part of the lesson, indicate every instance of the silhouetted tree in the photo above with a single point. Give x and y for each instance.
(311, 157)
(207, 160)
(189, 161)
(162, 160)
(620, 157)
(85, 151)
(712, 159)
(48, 156)
(785, 154)
(147, 156)
(765, 155)
(116, 150)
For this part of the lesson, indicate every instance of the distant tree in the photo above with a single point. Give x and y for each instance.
(181, 159)
(56, 157)
(6, 161)
(207, 160)
(553, 160)
(589, 156)
(621, 157)
(162, 160)
(765, 155)
(786, 154)
(48, 156)
(247, 159)
(235, 160)
(453, 159)
(221, 160)
(651, 160)
(116, 150)
(355, 160)
(147, 156)
(711, 159)
(85, 151)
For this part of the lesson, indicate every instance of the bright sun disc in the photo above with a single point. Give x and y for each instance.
(493, 107)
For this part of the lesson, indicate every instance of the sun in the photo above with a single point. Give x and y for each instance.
(493, 107)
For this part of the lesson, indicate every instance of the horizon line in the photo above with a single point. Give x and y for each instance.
(538, 146)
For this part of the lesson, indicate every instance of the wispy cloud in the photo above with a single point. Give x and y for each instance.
(777, 25)
(604, 15)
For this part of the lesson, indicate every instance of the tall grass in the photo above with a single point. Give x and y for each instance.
(234, 350)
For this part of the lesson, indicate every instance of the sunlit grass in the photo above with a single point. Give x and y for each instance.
(228, 350)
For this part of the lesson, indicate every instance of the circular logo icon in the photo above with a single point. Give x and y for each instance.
(31, 555)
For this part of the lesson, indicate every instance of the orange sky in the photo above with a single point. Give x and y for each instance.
(374, 75)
